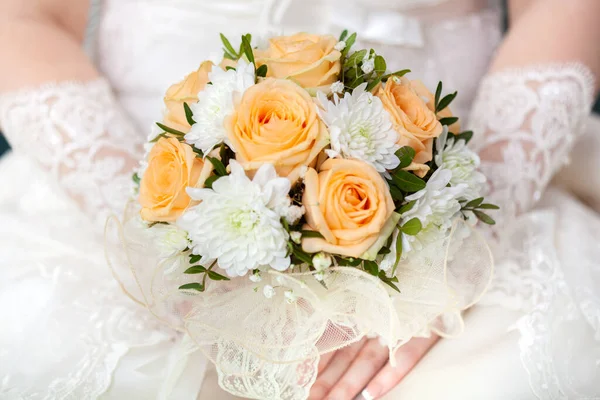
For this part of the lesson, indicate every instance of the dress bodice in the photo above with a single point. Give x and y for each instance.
(143, 46)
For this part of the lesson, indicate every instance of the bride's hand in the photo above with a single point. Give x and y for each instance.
(344, 374)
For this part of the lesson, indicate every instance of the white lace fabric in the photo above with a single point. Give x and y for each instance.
(78, 134)
(526, 122)
(59, 300)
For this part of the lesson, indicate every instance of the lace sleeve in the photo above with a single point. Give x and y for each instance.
(525, 123)
(80, 136)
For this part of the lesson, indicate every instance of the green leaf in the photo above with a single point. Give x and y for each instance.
(438, 94)
(488, 207)
(311, 234)
(343, 35)
(285, 224)
(355, 58)
(156, 139)
(483, 217)
(348, 262)
(380, 66)
(189, 115)
(196, 269)
(302, 255)
(445, 102)
(228, 46)
(198, 152)
(136, 178)
(406, 155)
(408, 182)
(170, 130)
(262, 71)
(396, 193)
(466, 136)
(229, 56)
(373, 84)
(448, 120)
(210, 180)
(216, 276)
(412, 227)
(371, 267)
(194, 258)
(193, 286)
(398, 252)
(384, 250)
(399, 74)
(247, 47)
(390, 283)
(220, 169)
(407, 207)
(474, 203)
(349, 43)
(229, 68)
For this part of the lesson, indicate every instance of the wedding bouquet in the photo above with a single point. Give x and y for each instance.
(297, 197)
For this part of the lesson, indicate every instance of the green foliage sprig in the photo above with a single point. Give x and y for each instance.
(207, 273)
(475, 206)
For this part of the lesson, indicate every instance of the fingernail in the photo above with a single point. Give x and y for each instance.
(367, 395)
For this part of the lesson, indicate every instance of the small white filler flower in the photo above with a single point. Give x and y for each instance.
(360, 128)
(238, 221)
(215, 103)
(339, 46)
(337, 87)
(269, 291)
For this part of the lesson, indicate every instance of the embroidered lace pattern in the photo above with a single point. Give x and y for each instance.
(80, 136)
(527, 121)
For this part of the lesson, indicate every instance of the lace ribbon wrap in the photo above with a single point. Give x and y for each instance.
(270, 348)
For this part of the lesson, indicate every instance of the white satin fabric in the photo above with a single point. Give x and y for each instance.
(69, 333)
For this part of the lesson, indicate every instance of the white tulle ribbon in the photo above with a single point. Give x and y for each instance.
(269, 348)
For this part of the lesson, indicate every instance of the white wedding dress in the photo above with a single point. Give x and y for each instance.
(68, 332)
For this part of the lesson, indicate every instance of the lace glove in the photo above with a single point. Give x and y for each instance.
(525, 123)
(80, 136)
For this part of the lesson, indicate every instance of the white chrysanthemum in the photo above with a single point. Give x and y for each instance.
(435, 206)
(360, 128)
(215, 103)
(238, 221)
(455, 156)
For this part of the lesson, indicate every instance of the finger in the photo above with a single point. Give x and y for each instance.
(372, 357)
(324, 361)
(336, 367)
(406, 358)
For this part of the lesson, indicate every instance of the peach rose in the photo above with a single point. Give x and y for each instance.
(276, 122)
(416, 124)
(185, 91)
(172, 167)
(422, 91)
(348, 202)
(309, 60)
